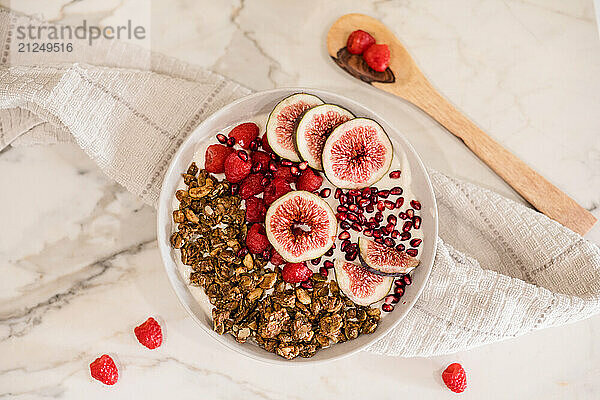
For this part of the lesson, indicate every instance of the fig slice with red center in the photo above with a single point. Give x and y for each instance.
(300, 226)
(359, 284)
(383, 260)
(313, 129)
(282, 121)
(357, 154)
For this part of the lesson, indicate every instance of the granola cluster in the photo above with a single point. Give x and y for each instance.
(250, 298)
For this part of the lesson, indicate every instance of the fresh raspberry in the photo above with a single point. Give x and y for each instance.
(309, 180)
(251, 186)
(359, 41)
(236, 169)
(275, 190)
(276, 258)
(265, 144)
(285, 173)
(378, 57)
(149, 333)
(104, 369)
(296, 272)
(214, 159)
(244, 134)
(256, 240)
(255, 209)
(455, 377)
(262, 158)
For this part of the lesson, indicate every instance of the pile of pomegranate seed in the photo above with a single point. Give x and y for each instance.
(376, 214)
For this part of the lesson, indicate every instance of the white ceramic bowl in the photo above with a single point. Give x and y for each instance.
(247, 108)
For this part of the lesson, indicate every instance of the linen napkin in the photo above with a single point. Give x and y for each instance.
(501, 269)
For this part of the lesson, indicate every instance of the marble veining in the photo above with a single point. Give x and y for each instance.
(78, 253)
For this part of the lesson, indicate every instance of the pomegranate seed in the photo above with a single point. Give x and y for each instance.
(415, 204)
(354, 192)
(354, 246)
(368, 232)
(403, 215)
(389, 242)
(374, 191)
(295, 170)
(353, 208)
(222, 138)
(396, 191)
(417, 222)
(415, 242)
(377, 233)
(344, 244)
(387, 307)
(399, 282)
(362, 219)
(302, 166)
(379, 240)
(364, 202)
(356, 227)
(384, 194)
(399, 290)
(325, 193)
(341, 216)
(395, 174)
(389, 299)
(329, 253)
(231, 142)
(328, 264)
(272, 166)
(345, 225)
(399, 202)
(351, 216)
(410, 213)
(380, 205)
(400, 247)
(286, 163)
(323, 271)
(392, 219)
(405, 236)
(351, 256)
(366, 191)
(344, 235)
(378, 216)
(266, 254)
(274, 157)
(412, 252)
(265, 181)
(253, 146)
(243, 155)
(369, 208)
(407, 279)
(343, 198)
(242, 252)
(315, 261)
(395, 233)
(256, 167)
(390, 205)
(235, 187)
(406, 227)
(337, 194)
(341, 209)
(372, 224)
(306, 285)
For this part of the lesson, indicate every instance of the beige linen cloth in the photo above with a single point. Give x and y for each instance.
(501, 269)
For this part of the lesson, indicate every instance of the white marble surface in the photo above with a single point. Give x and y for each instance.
(78, 253)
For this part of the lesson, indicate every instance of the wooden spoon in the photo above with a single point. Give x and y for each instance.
(404, 79)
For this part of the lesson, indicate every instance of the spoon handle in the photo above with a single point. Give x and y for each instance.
(540, 193)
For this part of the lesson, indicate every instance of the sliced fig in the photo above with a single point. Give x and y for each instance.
(357, 154)
(383, 260)
(359, 284)
(314, 127)
(282, 123)
(300, 226)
